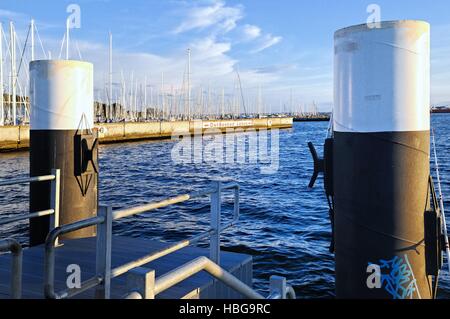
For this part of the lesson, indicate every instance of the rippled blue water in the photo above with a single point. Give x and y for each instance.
(283, 225)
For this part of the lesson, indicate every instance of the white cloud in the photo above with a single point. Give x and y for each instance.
(212, 63)
(217, 15)
(268, 41)
(210, 48)
(251, 32)
(11, 15)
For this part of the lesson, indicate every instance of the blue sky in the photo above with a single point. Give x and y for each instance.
(283, 46)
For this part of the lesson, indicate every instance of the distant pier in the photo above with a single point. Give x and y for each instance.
(14, 138)
(322, 117)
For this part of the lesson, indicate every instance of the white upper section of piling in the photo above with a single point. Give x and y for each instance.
(382, 77)
(61, 95)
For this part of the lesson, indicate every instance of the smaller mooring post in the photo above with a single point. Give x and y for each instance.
(62, 136)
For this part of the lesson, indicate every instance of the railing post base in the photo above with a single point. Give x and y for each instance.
(278, 287)
(141, 280)
(15, 249)
(103, 263)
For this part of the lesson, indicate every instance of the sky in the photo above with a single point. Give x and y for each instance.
(283, 47)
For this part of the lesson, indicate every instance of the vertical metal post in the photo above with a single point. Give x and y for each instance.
(103, 262)
(142, 281)
(214, 244)
(278, 287)
(15, 248)
(54, 200)
(16, 279)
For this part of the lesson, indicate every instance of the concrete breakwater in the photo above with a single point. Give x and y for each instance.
(13, 138)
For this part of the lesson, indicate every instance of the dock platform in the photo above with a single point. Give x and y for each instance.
(125, 249)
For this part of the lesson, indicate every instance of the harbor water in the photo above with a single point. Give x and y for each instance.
(283, 225)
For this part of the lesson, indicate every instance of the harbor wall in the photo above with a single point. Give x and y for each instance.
(13, 138)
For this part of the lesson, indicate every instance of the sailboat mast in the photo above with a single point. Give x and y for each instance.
(223, 103)
(67, 39)
(110, 75)
(162, 95)
(13, 71)
(189, 83)
(32, 39)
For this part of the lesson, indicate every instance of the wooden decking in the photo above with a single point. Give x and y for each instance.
(124, 249)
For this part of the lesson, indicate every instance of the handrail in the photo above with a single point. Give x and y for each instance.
(149, 207)
(105, 273)
(49, 262)
(118, 271)
(197, 265)
(231, 185)
(290, 292)
(28, 216)
(15, 248)
(54, 200)
(128, 212)
(85, 286)
(28, 180)
(182, 244)
(104, 229)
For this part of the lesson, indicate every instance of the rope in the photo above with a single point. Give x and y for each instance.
(62, 46)
(79, 52)
(40, 41)
(441, 200)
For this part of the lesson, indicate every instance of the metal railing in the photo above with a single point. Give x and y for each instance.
(143, 284)
(104, 220)
(12, 245)
(104, 272)
(55, 180)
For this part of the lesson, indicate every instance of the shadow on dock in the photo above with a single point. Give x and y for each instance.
(82, 252)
